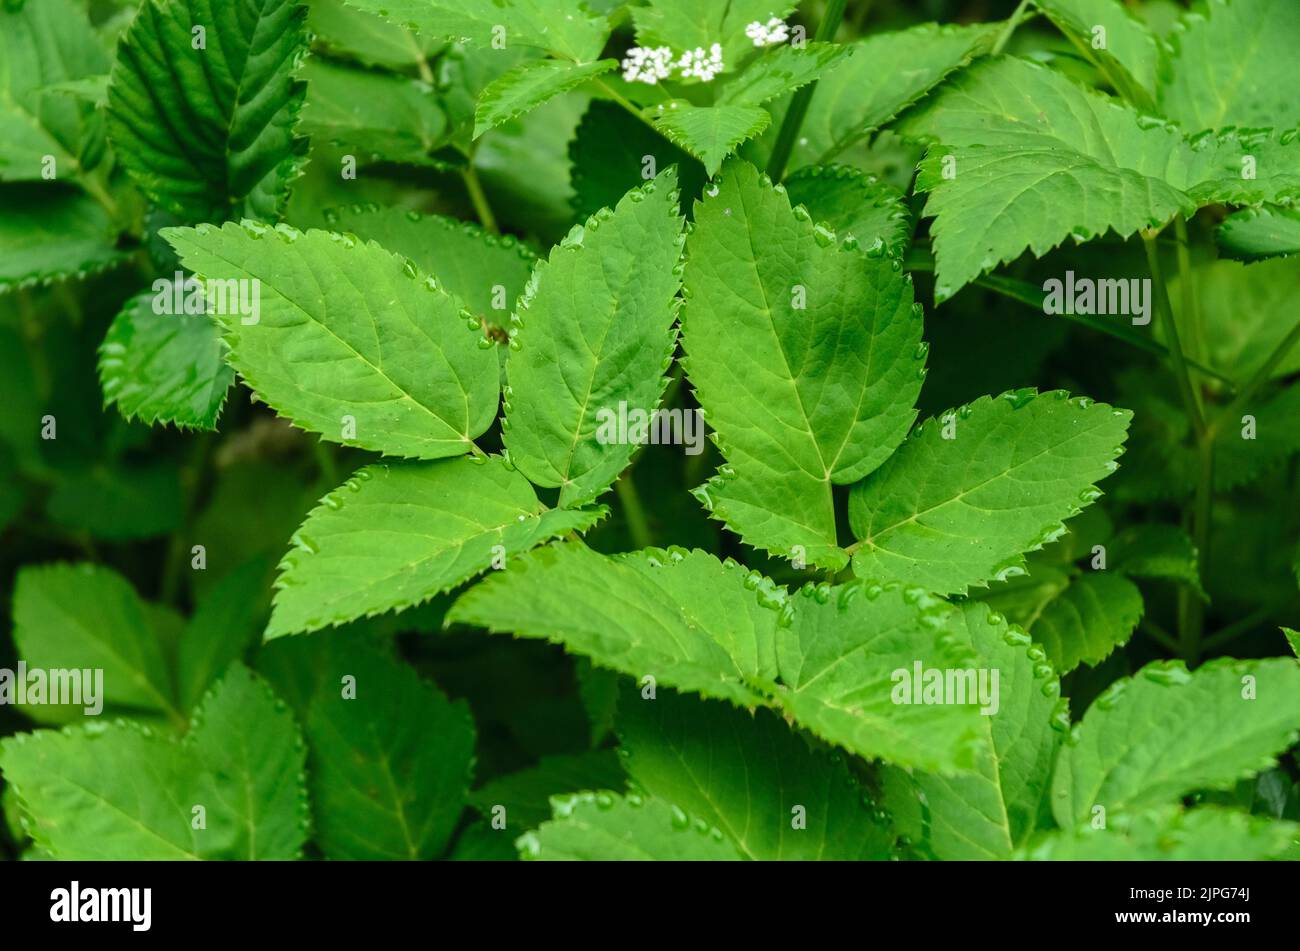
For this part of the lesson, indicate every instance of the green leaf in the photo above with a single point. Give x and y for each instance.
(348, 335)
(683, 618)
(51, 233)
(594, 335)
(888, 72)
(1169, 834)
(209, 133)
(603, 827)
(464, 259)
(1096, 612)
(782, 70)
(121, 792)
(1106, 32)
(42, 44)
(1165, 732)
(1156, 551)
(805, 355)
(608, 154)
(687, 25)
(711, 133)
(525, 795)
(1293, 640)
(159, 366)
(843, 662)
(1255, 233)
(391, 766)
(395, 536)
(88, 617)
(530, 84)
(951, 513)
(851, 202)
(1248, 310)
(565, 27)
(748, 775)
(1015, 140)
(225, 622)
(365, 37)
(1234, 67)
(987, 814)
(374, 117)
(687, 621)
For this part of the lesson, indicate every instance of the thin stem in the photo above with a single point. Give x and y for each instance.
(1012, 22)
(479, 199)
(626, 103)
(1191, 610)
(1191, 300)
(1245, 625)
(1176, 353)
(1160, 636)
(794, 116)
(637, 524)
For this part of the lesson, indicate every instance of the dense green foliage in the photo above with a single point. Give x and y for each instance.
(673, 429)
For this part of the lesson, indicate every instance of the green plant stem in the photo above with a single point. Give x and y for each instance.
(637, 524)
(1191, 299)
(478, 197)
(1012, 22)
(1160, 636)
(1191, 610)
(794, 116)
(1246, 624)
(1177, 355)
(617, 97)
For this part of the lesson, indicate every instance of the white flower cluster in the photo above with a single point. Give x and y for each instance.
(700, 64)
(775, 31)
(647, 65)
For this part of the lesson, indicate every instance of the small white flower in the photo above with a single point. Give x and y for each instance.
(769, 34)
(647, 64)
(700, 64)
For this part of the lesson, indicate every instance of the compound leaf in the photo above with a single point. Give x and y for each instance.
(593, 334)
(1165, 732)
(950, 513)
(348, 341)
(208, 132)
(393, 536)
(805, 355)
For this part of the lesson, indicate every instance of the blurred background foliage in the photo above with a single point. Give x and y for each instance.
(137, 498)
